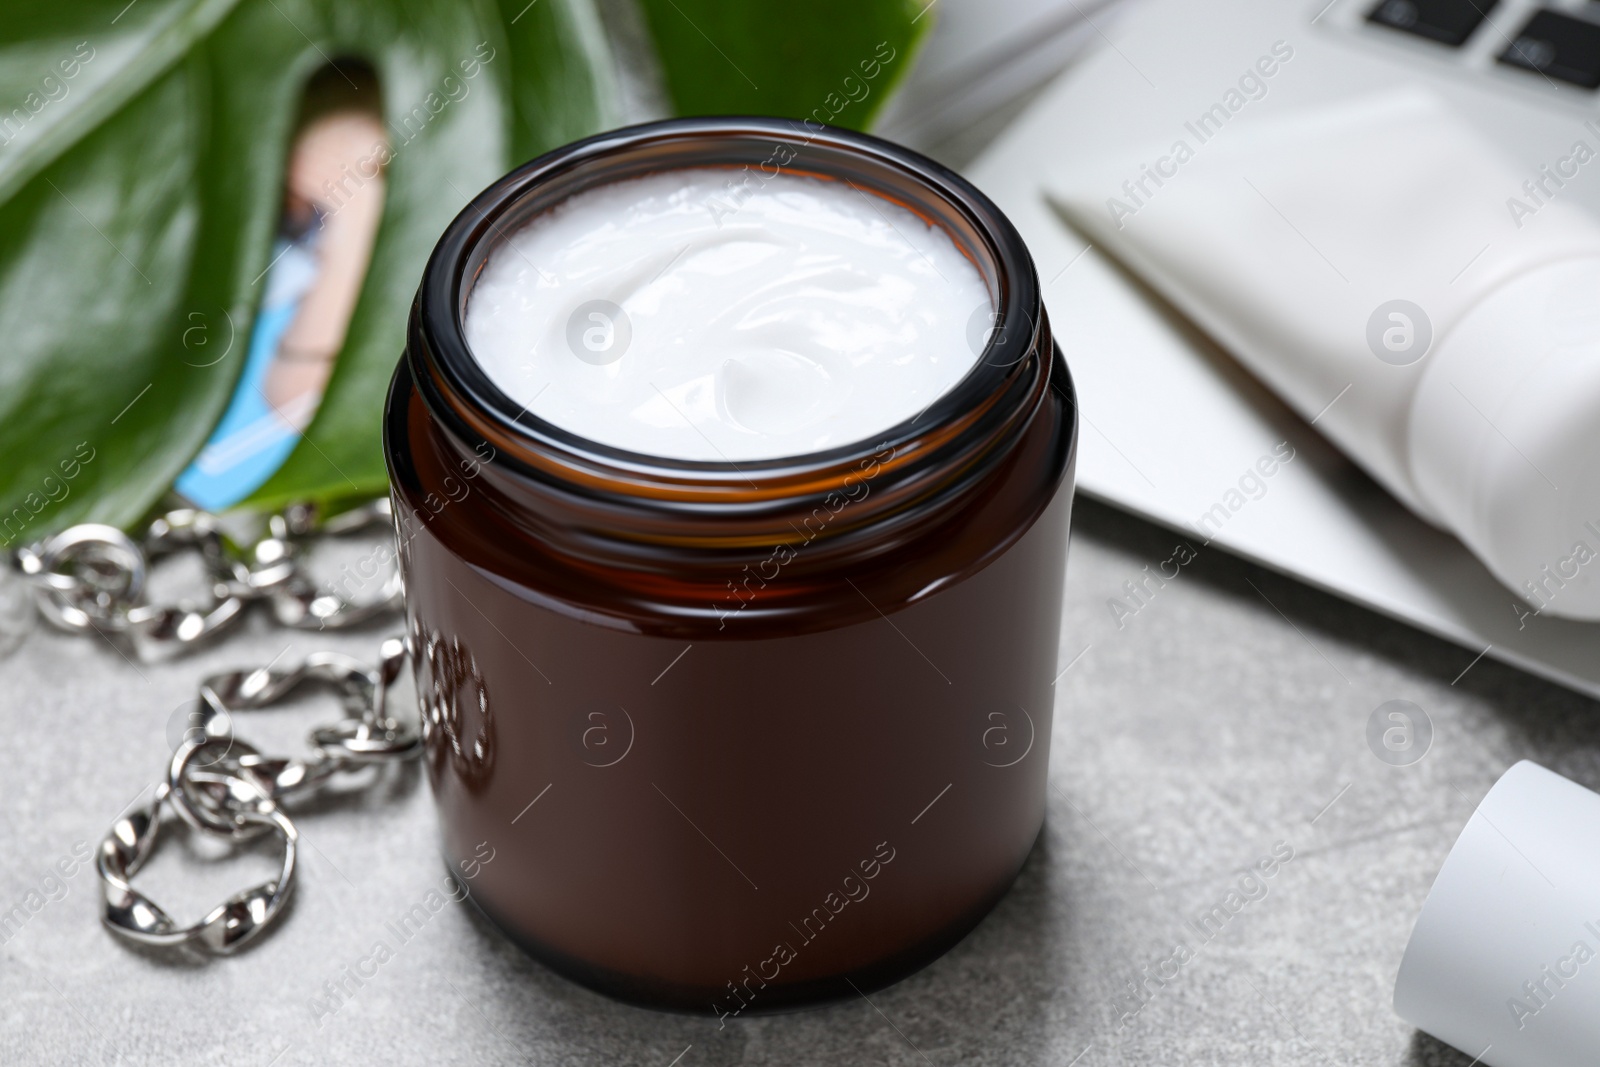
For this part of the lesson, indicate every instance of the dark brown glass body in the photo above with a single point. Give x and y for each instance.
(736, 737)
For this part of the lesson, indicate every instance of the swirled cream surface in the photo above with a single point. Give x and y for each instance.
(681, 317)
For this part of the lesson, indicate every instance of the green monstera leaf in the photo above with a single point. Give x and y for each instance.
(140, 184)
(832, 61)
(142, 150)
(540, 91)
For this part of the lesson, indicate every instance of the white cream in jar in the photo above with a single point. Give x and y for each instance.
(670, 316)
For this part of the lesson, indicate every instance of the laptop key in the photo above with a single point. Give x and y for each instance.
(1449, 22)
(1558, 46)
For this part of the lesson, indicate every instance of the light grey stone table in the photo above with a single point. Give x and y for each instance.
(1226, 719)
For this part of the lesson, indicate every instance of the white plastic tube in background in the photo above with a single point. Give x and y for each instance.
(1504, 962)
(1291, 240)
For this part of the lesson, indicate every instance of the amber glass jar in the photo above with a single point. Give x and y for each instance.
(736, 737)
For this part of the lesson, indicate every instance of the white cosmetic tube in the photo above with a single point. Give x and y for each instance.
(1504, 962)
(1386, 272)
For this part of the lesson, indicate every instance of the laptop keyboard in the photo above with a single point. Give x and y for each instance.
(1449, 22)
(1558, 46)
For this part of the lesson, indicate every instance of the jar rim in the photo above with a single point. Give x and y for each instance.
(457, 388)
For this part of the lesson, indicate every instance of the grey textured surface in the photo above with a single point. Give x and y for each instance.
(1228, 715)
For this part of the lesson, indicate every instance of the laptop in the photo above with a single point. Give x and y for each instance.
(1170, 421)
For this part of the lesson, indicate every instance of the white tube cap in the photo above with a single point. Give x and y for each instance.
(1504, 441)
(1504, 962)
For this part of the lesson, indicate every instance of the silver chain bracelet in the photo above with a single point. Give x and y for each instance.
(92, 578)
(225, 787)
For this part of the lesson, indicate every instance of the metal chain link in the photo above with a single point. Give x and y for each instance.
(223, 786)
(92, 577)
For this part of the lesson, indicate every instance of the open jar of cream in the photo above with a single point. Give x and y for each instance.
(732, 464)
